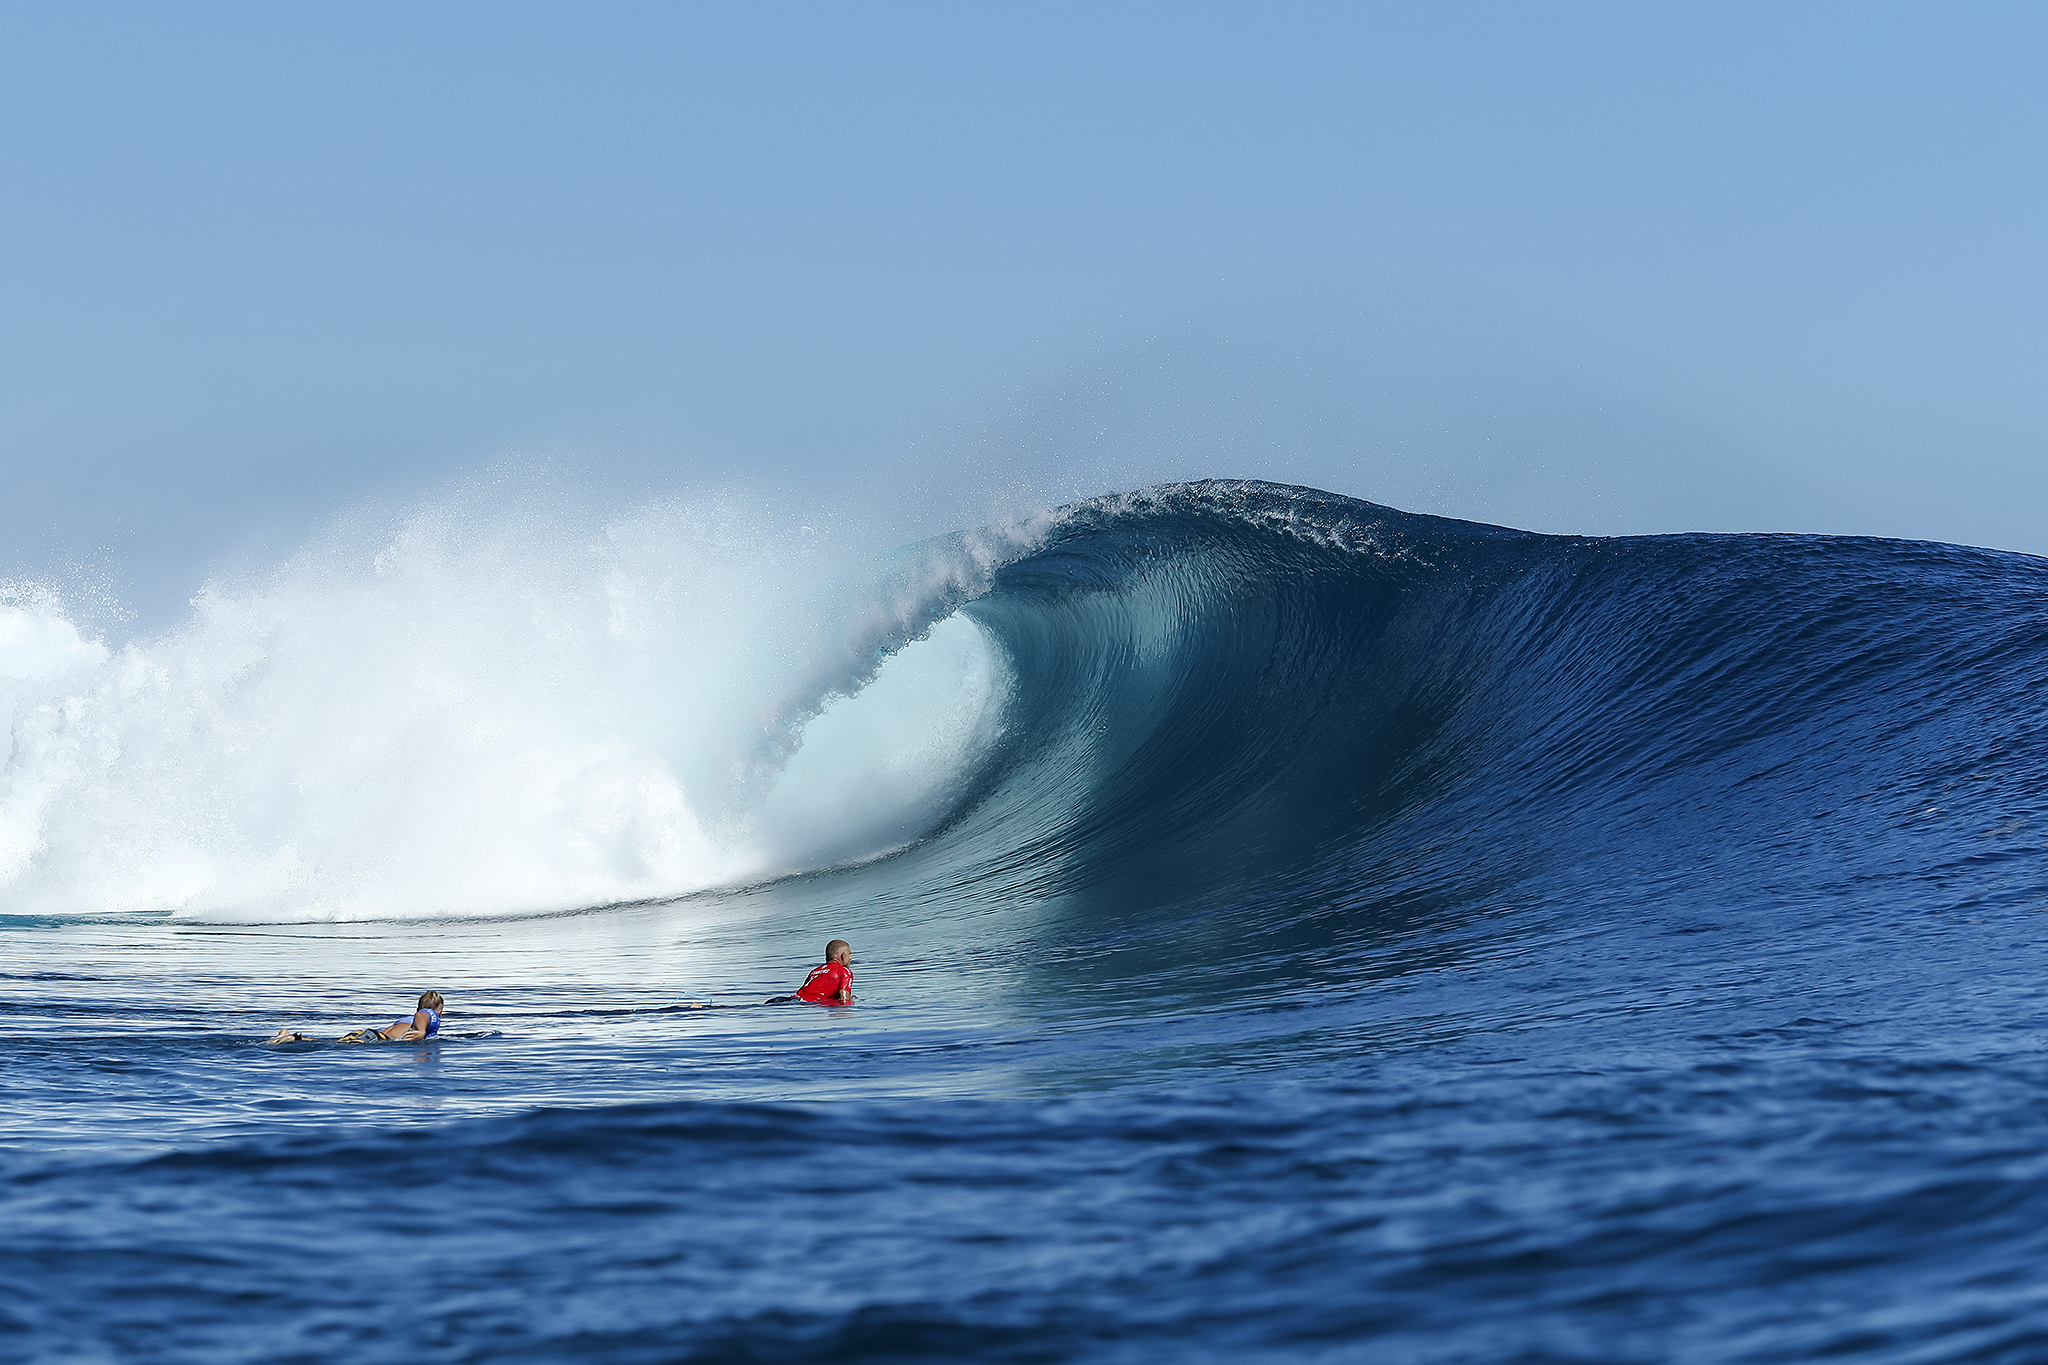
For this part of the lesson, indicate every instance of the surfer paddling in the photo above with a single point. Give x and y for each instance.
(424, 1024)
(830, 982)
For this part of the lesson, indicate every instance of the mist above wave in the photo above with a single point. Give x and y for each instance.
(492, 712)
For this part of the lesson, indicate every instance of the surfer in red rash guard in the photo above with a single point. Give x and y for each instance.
(831, 982)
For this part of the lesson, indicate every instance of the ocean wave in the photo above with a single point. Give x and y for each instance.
(1194, 697)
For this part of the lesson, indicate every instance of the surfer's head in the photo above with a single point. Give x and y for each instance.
(840, 951)
(432, 1001)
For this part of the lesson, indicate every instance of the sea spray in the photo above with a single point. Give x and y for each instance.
(489, 713)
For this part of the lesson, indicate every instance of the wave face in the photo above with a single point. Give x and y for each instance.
(1285, 929)
(1303, 712)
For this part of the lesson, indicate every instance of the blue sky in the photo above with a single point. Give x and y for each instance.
(1603, 268)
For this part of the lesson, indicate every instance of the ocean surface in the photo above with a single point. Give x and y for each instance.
(1285, 929)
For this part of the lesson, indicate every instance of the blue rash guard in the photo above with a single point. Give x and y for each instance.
(433, 1024)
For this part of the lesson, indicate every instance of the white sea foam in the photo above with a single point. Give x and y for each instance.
(468, 714)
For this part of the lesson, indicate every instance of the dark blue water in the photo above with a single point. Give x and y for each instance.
(1373, 937)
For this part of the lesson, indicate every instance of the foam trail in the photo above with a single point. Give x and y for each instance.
(487, 715)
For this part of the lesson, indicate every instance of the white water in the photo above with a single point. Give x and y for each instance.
(465, 715)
